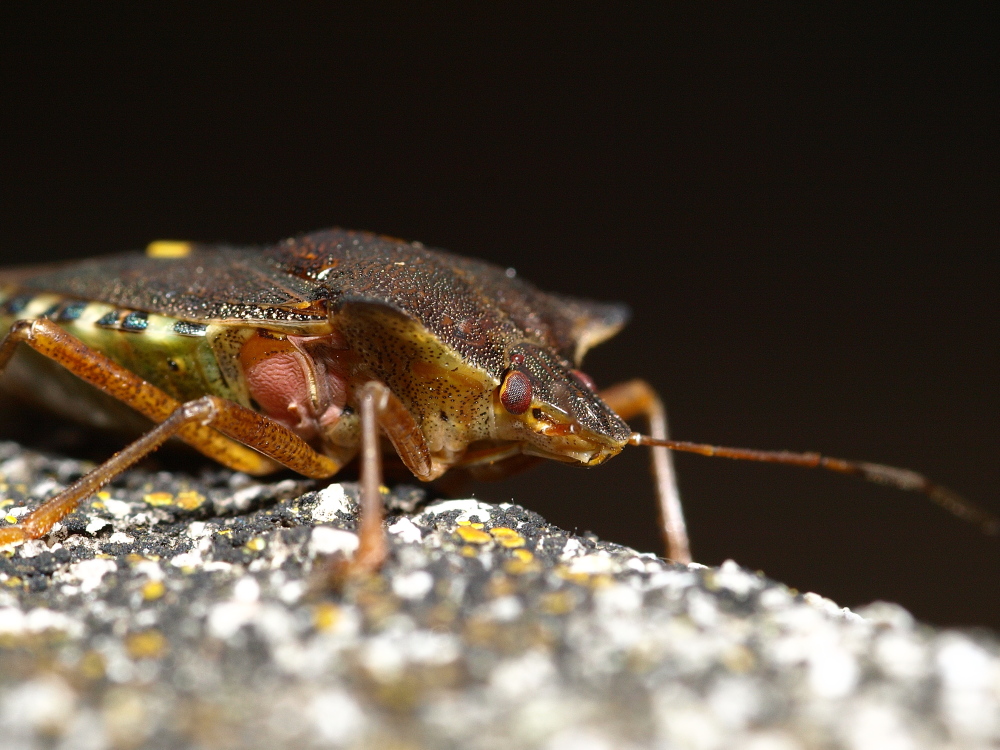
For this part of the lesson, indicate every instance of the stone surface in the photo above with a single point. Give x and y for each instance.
(178, 612)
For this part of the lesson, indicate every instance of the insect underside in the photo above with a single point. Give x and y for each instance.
(338, 345)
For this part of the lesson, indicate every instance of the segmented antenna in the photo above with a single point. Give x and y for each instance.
(903, 479)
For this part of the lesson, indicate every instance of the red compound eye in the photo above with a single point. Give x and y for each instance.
(585, 379)
(515, 392)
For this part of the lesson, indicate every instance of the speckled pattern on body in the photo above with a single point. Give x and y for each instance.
(174, 612)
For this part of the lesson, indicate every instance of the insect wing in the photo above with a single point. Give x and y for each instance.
(208, 284)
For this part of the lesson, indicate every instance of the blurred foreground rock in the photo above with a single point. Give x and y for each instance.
(176, 612)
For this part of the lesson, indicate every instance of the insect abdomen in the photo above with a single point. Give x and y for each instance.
(175, 355)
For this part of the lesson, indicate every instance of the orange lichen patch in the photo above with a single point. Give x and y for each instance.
(153, 590)
(149, 644)
(326, 616)
(468, 551)
(507, 537)
(472, 524)
(473, 536)
(168, 249)
(10, 519)
(158, 498)
(189, 500)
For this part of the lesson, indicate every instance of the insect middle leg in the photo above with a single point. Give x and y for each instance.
(636, 398)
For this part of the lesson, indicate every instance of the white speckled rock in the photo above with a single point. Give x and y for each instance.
(195, 612)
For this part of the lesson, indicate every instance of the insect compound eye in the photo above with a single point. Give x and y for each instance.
(585, 380)
(515, 392)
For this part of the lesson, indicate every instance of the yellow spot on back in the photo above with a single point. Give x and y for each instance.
(168, 249)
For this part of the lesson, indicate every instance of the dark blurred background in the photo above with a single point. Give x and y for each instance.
(800, 205)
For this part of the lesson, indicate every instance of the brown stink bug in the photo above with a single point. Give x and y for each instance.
(309, 353)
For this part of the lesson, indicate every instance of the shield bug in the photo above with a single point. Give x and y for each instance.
(339, 344)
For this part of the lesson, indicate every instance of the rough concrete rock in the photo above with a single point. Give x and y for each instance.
(175, 612)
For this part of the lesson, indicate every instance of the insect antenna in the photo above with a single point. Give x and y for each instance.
(903, 479)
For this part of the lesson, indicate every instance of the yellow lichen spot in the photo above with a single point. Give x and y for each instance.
(558, 602)
(326, 616)
(383, 489)
(520, 566)
(132, 558)
(256, 544)
(5, 503)
(10, 519)
(91, 665)
(468, 551)
(477, 525)
(507, 537)
(103, 495)
(189, 500)
(97, 505)
(168, 249)
(464, 522)
(158, 498)
(13, 582)
(152, 590)
(738, 659)
(523, 555)
(584, 579)
(149, 644)
(473, 536)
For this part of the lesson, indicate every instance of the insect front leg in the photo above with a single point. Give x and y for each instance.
(636, 398)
